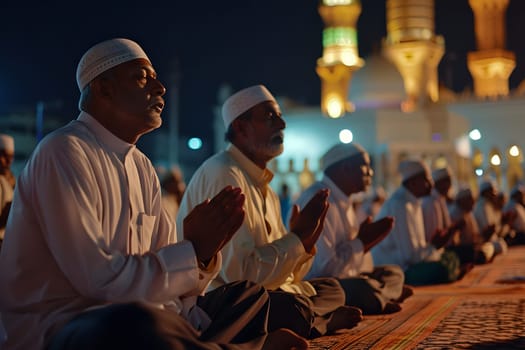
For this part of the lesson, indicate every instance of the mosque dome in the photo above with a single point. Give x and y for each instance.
(378, 84)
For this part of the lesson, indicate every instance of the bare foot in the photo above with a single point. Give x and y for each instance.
(284, 339)
(344, 317)
(390, 308)
(407, 292)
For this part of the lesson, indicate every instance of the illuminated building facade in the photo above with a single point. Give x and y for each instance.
(490, 65)
(412, 46)
(340, 55)
(401, 112)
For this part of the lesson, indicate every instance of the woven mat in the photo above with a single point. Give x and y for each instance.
(485, 310)
(451, 322)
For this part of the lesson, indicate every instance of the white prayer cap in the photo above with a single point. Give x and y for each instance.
(243, 100)
(517, 188)
(464, 193)
(487, 184)
(106, 55)
(410, 168)
(339, 152)
(442, 173)
(7, 143)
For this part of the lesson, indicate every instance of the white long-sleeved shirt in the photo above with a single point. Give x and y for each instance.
(469, 233)
(405, 244)
(486, 214)
(435, 213)
(339, 252)
(262, 250)
(86, 228)
(519, 222)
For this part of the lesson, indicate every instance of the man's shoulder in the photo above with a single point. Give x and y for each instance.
(63, 137)
(219, 163)
(397, 198)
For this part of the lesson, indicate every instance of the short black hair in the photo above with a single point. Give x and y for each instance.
(230, 133)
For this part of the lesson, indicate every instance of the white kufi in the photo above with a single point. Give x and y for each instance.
(464, 193)
(516, 189)
(243, 100)
(487, 184)
(442, 173)
(410, 168)
(339, 152)
(104, 56)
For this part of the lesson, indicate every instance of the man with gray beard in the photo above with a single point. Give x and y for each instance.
(263, 250)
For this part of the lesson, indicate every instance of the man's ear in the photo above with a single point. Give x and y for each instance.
(239, 127)
(104, 87)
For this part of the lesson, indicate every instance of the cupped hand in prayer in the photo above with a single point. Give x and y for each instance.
(508, 217)
(212, 223)
(442, 236)
(371, 233)
(308, 222)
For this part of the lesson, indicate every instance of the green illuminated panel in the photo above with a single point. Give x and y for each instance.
(341, 36)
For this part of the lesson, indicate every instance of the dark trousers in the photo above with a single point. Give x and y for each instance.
(372, 291)
(306, 316)
(239, 313)
(446, 270)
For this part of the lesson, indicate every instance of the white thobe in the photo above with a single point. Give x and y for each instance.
(274, 257)
(405, 244)
(86, 229)
(435, 213)
(470, 233)
(486, 214)
(339, 252)
(519, 222)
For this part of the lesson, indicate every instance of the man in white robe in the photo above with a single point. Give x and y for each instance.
(516, 204)
(469, 243)
(263, 250)
(406, 244)
(90, 260)
(435, 207)
(343, 249)
(489, 218)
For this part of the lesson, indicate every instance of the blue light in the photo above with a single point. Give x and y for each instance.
(195, 143)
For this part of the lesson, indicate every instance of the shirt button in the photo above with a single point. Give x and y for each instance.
(201, 276)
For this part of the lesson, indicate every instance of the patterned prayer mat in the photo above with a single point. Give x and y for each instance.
(481, 323)
(464, 322)
(485, 310)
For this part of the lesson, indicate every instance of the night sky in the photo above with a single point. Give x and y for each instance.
(274, 42)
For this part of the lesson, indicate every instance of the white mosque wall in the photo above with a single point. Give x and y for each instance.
(501, 123)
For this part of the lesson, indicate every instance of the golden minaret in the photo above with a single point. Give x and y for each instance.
(415, 50)
(490, 65)
(340, 54)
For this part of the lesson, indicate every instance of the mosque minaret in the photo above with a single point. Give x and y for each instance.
(412, 46)
(490, 65)
(340, 54)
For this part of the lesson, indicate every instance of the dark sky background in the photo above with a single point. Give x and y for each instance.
(274, 42)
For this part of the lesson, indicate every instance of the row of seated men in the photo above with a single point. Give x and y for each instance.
(91, 260)
(492, 221)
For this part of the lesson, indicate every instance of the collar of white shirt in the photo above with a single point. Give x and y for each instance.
(261, 177)
(105, 137)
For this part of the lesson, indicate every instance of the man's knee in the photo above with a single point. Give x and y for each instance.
(130, 326)
(292, 311)
(330, 289)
